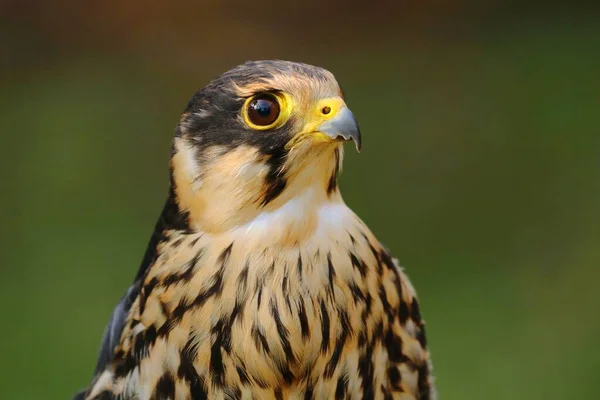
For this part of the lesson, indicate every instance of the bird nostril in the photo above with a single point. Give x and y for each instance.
(326, 110)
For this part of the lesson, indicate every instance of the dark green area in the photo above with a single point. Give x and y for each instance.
(480, 170)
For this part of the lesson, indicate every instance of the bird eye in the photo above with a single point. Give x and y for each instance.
(263, 110)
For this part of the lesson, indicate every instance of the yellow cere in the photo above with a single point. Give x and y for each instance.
(322, 110)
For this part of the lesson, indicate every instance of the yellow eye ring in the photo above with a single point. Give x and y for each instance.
(266, 110)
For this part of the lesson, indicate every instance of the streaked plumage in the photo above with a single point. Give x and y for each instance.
(259, 282)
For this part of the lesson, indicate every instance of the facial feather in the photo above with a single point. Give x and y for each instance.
(225, 174)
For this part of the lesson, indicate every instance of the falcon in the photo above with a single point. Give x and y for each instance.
(258, 281)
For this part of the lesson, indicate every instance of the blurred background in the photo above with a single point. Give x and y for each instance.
(480, 169)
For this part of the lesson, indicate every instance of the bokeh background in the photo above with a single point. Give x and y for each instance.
(480, 169)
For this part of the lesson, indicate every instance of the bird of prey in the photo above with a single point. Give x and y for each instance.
(258, 281)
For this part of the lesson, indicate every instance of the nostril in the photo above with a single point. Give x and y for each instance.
(326, 110)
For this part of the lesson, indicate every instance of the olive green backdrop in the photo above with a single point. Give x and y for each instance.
(480, 170)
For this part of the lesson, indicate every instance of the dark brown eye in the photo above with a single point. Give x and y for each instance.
(263, 110)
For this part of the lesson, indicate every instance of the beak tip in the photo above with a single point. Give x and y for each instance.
(358, 145)
(357, 139)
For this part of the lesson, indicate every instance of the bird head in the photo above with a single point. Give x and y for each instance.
(257, 137)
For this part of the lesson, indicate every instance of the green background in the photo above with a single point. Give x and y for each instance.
(480, 170)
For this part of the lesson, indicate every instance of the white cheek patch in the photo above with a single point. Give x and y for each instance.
(188, 163)
(249, 170)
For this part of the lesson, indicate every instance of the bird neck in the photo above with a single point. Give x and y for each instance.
(241, 189)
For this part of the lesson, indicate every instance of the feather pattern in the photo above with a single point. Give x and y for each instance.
(259, 282)
(230, 313)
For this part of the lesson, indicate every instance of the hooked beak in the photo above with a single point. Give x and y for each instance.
(342, 126)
